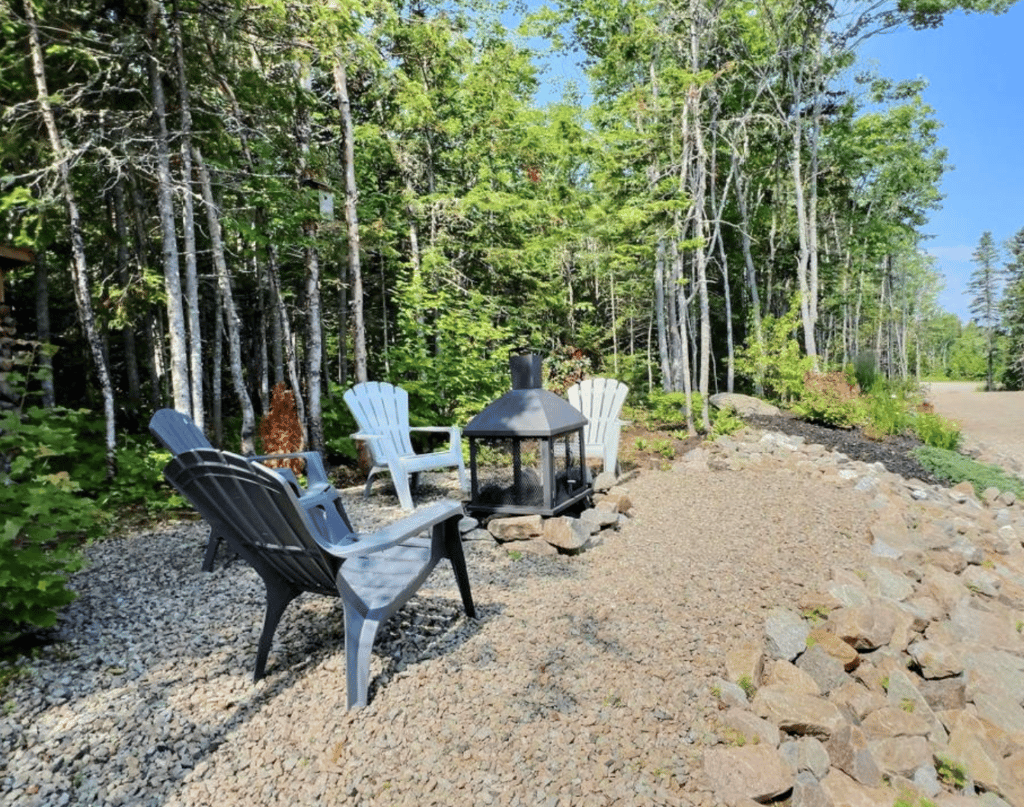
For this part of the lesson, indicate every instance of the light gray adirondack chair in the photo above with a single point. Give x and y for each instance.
(600, 400)
(177, 432)
(381, 411)
(260, 517)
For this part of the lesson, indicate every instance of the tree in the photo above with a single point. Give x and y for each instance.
(1013, 311)
(985, 286)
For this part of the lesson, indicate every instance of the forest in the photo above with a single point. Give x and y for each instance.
(201, 200)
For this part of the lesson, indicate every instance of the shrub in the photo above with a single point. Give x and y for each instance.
(934, 430)
(725, 421)
(954, 468)
(777, 363)
(865, 369)
(667, 410)
(829, 398)
(886, 411)
(45, 518)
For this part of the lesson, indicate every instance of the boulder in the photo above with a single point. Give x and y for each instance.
(742, 404)
(755, 772)
(516, 528)
(848, 750)
(796, 712)
(785, 634)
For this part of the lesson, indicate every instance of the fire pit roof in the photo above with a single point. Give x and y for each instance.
(526, 413)
(528, 410)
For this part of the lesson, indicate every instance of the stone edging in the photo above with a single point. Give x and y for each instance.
(902, 679)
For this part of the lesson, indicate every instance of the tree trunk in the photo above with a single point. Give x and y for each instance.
(43, 332)
(352, 222)
(165, 203)
(79, 265)
(195, 341)
(230, 312)
(659, 308)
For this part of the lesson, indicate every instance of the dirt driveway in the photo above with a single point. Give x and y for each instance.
(992, 422)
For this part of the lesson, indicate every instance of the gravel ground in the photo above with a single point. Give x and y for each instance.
(584, 680)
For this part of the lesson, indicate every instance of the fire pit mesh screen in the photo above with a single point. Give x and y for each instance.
(510, 471)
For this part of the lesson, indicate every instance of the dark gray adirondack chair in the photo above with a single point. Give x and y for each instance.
(260, 517)
(177, 432)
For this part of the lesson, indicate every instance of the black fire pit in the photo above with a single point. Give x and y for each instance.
(526, 449)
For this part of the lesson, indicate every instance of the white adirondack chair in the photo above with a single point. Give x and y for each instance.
(381, 411)
(600, 400)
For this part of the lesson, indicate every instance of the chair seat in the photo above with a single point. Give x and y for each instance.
(381, 411)
(376, 573)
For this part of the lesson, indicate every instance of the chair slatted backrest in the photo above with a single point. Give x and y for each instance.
(600, 400)
(259, 514)
(382, 408)
(177, 432)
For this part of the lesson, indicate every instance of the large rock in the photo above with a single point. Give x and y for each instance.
(806, 754)
(516, 528)
(744, 661)
(754, 771)
(864, 627)
(750, 727)
(826, 671)
(786, 674)
(785, 634)
(797, 713)
(742, 404)
(844, 791)
(835, 647)
(848, 750)
(808, 792)
(566, 533)
(901, 756)
(891, 721)
(937, 660)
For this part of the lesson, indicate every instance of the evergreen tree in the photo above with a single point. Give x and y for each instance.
(1013, 312)
(985, 287)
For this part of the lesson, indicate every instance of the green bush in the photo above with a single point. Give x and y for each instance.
(886, 411)
(954, 468)
(46, 517)
(934, 430)
(778, 363)
(725, 421)
(666, 410)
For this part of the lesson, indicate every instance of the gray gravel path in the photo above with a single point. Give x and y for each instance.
(585, 680)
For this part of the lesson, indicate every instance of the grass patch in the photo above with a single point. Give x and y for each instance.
(955, 468)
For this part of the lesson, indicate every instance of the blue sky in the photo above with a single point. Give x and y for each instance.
(975, 68)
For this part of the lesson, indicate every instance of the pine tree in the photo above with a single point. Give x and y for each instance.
(1013, 311)
(985, 287)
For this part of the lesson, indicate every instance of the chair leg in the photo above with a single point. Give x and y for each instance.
(369, 484)
(211, 552)
(278, 597)
(360, 633)
(453, 548)
(401, 480)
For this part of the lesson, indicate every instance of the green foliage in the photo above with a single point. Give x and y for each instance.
(45, 518)
(936, 431)
(829, 398)
(950, 772)
(724, 421)
(865, 369)
(338, 425)
(778, 363)
(885, 411)
(666, 410)
(954, 468)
